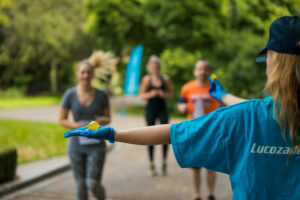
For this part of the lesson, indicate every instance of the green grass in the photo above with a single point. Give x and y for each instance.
(21, 102)
(33, 140)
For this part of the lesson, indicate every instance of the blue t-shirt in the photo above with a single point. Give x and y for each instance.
(245, 142)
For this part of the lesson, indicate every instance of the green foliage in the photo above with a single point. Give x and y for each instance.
(42, 38)
(178, 64)
(13, 92)
(8, 164)
(228, 33)
(240, 74)
(33, 140)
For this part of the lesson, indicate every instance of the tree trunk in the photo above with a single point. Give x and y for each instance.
(53, 77)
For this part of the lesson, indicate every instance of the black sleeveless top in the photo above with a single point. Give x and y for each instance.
(156, 102)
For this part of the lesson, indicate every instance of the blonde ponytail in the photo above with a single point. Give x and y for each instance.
(104, 63)
(284, 87)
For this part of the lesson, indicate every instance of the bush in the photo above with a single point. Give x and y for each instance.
(15, 92)
(8, 164)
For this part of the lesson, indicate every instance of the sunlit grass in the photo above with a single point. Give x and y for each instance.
(21, 102)
(33, 140)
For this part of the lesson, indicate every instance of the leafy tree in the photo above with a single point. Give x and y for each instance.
(42, 39)
(229, 33)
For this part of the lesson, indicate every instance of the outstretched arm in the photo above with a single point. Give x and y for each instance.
(150, 135)
(216, 90)
(229, 99)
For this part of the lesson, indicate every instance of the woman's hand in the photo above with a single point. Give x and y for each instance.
(216, 90)
(102, 120)
(153, 93)
(182, 108)
(160, 93)
(102, 133)
(64, 121)
(80, 124)
(144, 94)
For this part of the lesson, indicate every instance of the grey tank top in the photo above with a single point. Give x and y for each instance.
(82, 113)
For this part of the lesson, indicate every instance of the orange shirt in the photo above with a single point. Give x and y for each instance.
(198, 99)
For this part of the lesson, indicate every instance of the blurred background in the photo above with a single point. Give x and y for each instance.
(42, 40)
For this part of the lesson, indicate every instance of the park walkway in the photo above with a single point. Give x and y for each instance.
(126, 169)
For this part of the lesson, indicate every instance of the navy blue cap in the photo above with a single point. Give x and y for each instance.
(284, 36)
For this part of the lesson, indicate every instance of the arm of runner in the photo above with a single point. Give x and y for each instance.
(169, 93)
(144, 94)
(63, 119)
(182, 107)
(182, 104)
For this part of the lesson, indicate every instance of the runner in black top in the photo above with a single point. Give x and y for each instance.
(156, 88)
(157, 102)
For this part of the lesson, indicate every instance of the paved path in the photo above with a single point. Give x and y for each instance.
(50, 113)
(126, 170)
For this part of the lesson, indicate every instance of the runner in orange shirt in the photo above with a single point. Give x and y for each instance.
(196, 101)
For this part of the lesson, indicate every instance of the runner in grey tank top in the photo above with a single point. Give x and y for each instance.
(87, 156)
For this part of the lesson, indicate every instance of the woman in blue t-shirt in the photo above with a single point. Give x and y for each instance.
(256, 142)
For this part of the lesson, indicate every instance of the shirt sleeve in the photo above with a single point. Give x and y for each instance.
(66, 100)
(183, 95)
(201, 142)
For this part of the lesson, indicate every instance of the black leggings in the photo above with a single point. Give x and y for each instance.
(151, 116)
